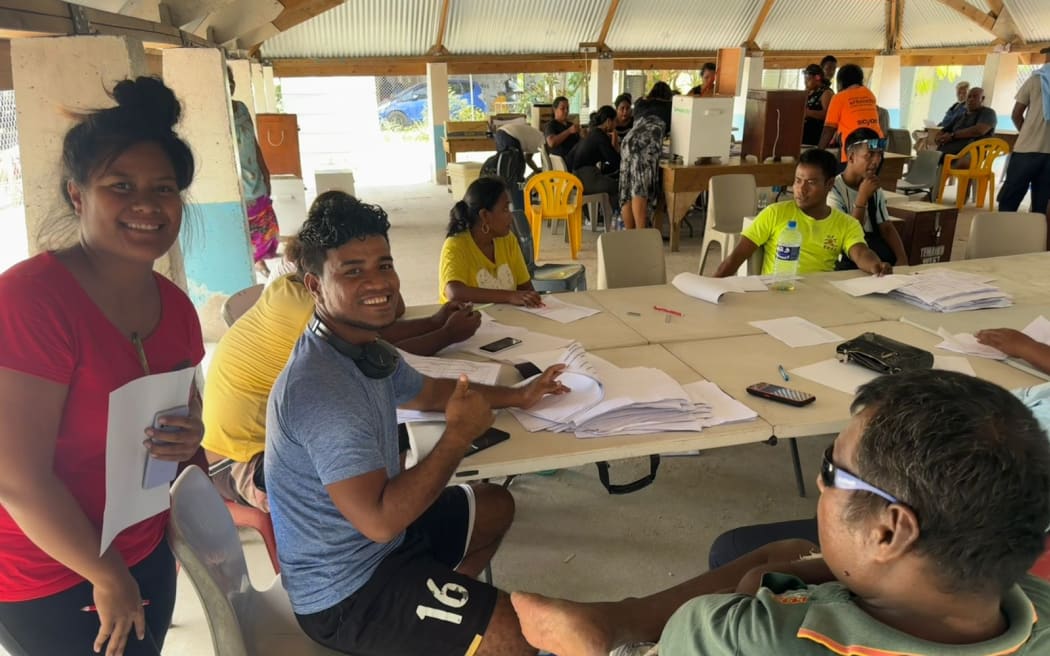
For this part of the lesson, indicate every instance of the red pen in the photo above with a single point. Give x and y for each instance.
(667, 310)
(94, 609)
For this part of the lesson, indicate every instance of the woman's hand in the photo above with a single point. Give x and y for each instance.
(119, 608)
(525, 297)
(179, 439)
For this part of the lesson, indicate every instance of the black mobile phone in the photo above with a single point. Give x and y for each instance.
(527, 370)
(781, 394)
(500, 344)
(491, 437)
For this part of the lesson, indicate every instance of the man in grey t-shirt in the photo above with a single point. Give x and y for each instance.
(377, 559)
(1029, 164)
(976, 122)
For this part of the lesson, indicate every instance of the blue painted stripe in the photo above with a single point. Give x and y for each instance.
(439, 147)
(216, 250)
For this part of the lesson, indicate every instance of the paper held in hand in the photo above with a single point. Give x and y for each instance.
(712, 289)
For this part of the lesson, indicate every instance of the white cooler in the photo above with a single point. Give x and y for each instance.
(461, 174)
(342, 180)
(289, 202)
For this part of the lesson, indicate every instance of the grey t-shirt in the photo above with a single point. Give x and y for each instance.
(327, 422)
(1035, 133)
(843, 197)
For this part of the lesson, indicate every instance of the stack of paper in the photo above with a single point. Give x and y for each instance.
(712, 289)
(484, 373)
(943, 290)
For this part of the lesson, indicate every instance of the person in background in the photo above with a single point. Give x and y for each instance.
(817, 102)
(1029, 164)
(624, 117)
(975, 123)
(958, 108)
(853, 107)
(595, 160)
(256, 347)
(255, 185)
(481, 260)
(522, 136)
(708, 73)
(829, 64)
(660, 100)
(1016, 344)
(640, 165)
(79, 323)
(858, 192)
(561, 134)
(826, 232)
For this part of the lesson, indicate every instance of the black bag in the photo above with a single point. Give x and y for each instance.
(508, 164)
(883, 355)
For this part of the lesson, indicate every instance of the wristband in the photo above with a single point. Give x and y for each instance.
(860, 207)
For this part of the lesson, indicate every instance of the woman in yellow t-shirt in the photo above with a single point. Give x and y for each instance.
(481, 261)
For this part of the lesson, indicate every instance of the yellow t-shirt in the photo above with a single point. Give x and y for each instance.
(822, 240)
(462, 261)
(245, 365)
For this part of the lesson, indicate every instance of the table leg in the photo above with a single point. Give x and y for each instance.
(797, 463)
(675, 221)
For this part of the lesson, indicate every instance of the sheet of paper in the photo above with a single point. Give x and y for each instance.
(842, 376)
(131, 410)
(968, 344)
(558, 310)
(705, 289)
(865, 285)
(584, 393)
(490, 331)
(485, 373)
(796, 331)
(724, 409)
(1039, 330)
(953, 363)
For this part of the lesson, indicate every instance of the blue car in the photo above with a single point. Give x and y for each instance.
(410, 106)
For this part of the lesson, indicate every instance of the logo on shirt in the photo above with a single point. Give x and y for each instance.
(793, 598)
(831, 244)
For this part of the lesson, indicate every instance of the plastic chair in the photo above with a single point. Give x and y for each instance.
(560, 195)
(546, 277)
(981, 153)
(243, 620)
(730, 199)
(238, 304)
(631, 258)
(922, 174)
(1041, 568)
(1006, 233)
(898, 141)
(253, 518)
(595, 201)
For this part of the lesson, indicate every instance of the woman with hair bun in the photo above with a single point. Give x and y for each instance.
(481, 261)
(78, 323)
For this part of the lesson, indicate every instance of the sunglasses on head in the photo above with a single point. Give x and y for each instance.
(873, 144)
(834, 476)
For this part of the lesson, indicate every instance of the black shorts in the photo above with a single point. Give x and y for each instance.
(415, 603)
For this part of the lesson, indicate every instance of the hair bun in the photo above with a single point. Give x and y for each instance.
(149, 101)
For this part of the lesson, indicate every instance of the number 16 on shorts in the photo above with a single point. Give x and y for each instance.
(452, 595)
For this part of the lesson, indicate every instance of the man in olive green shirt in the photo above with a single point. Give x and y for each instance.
(934, 504)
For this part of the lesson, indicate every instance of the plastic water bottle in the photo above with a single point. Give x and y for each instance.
(785, 267)
(763, 201)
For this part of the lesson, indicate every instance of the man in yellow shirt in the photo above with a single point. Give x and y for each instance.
(826, 232)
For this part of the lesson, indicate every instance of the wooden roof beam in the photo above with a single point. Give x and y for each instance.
(763, 14)
(894, 18)
(973, 14)
(607, 24)
(439, 43)
(59, 18)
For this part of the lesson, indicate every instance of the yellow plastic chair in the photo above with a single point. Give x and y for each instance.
(561, 199)
(982, 154)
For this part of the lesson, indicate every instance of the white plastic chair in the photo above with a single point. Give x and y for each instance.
(730, 199)
(922, 175)
(1006, 233)
(239, 303)
(631, 258)
(244, 621)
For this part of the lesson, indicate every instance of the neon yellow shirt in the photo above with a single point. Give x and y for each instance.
(462, 261)
(245, 365)
(822, 240)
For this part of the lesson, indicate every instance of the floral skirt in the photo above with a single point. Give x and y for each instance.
(262, 226)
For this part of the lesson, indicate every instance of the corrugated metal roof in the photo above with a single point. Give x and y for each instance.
(523, 26)
(645, 25)
(362, 28)
(821, 25)
(1032, 18)
(931, 24)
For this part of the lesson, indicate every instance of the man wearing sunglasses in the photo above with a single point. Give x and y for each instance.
(934, 503)
(858, 192)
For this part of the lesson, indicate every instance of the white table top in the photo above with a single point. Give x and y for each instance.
(598, 331)
(736, 362)
(528, 452)
(821, 304)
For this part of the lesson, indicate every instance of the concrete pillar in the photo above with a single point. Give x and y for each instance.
(242, 78)
(258, 88)
(215, 235)
(751, 78)
(50, 76)
(269, 89)
(437, 114)
(601, 87)
(885, 83)
(1000, 85)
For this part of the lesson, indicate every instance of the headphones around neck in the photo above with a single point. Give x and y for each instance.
(376, 359)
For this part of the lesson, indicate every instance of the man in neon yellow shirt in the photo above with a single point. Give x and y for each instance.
(826, 232)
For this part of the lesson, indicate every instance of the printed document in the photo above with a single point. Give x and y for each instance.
(559, 310)
(796, 331)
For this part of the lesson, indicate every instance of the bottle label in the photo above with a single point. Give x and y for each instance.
(788, 253)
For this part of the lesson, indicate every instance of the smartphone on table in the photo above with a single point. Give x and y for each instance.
(490, 437)
(500, 345)
(781, 394)
(162, 472)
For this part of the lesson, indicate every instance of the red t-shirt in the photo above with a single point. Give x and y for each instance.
(51, 329)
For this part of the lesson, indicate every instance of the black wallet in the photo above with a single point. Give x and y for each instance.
(883, 355)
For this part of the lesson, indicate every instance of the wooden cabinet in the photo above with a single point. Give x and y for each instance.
(278, 136)
(927, 230)
(773, 123)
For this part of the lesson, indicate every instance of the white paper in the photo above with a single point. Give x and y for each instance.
(865, 285)
(484, 373)
(968, 344)
(712, 289)
(558, 310)
(490, 331)
(842, 376)
(422, 437)
(953, 363)
(722, 408)
(131, 411)
(584, 393)
(1039, 330)
(796, 331)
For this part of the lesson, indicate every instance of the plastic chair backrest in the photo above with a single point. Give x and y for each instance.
(982, 154)
(731, 198)
(558, 163)
(555, 190)
(520, 228)
(545, 158)
(1006, 233)
(923, 169)
(239, 303)
(898, 141)
(631, 258)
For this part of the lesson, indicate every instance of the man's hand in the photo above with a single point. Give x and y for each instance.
(546, 384)
(462, 323)
(883, 269)
(868, 186)
(944, 137)
(467, 414)
(573, 129)
(1011, 342)
(440, 318)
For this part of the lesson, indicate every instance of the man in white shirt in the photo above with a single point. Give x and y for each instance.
(1030, 160)
(522, 136)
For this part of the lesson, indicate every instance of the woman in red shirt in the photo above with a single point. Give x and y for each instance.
(77, 324)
